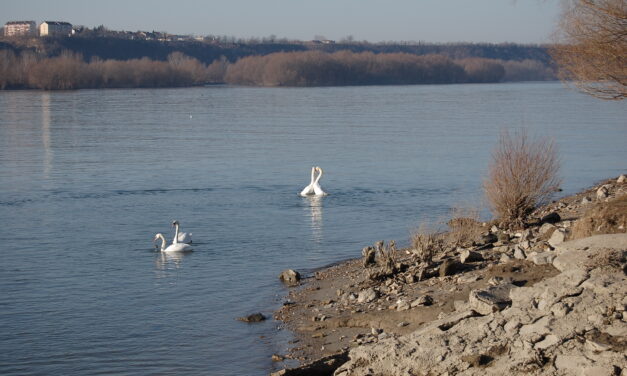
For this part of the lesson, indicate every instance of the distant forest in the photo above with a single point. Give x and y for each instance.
(99, 62)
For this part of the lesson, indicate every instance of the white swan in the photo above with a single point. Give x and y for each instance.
(316, 187)
(174, 247)
(309, 190)
(180, 237)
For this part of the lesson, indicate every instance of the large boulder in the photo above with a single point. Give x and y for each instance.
(290, 277)
(469, 256)
(491, 299)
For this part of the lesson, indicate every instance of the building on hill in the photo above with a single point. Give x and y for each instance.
(20, 28)
(55, 28)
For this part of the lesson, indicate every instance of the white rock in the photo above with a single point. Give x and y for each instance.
(547, 342)
(621, 179)
(543, 258)
(545, 228)
(585, 201)
(597, 346)
(367, 295)
(519, 254)
(557, 238)
(602, 193)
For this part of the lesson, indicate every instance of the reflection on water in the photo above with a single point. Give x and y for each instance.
(45, 133)
(315, 215)
(166, 262)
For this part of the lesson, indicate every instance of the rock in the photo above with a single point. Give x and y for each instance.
(585, 200)
(545, 228)
(489, 237)
(548, 341)
(491, 299)
(448, 267)
(552, 217)
(402, 305)
(368, 295)
(567, 324)
(519, 254)
(557, 238)
(277, 358)
(602, 193)
(497, 280)
(289, 277)
(469, 256)
(425, 300)
(597, 346)
(468, 278)
(542, 258)
(461, 306)
(512, 326)
(502, 249)
(255, 317)
(503, 237)
(323, 366)
(402, 324)
(621, 179)
(505, 258)
(477, 360)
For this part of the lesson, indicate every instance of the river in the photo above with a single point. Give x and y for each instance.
(88, 177)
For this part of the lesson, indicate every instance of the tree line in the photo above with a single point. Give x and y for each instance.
(69, 70)
(317, 68)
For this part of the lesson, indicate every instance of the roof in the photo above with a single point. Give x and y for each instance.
(57, 23)
(19, 22)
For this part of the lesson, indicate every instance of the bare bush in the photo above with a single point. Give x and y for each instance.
(523, 174)
(426, 243)
(464, 227)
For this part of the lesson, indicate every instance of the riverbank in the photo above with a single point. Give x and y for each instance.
(380, 325)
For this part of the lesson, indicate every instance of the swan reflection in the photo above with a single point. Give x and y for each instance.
(315, 215)
(169, 260)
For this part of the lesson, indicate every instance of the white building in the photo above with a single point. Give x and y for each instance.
(17, 28)
(55, 28)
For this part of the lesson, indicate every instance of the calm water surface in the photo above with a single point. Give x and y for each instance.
(88, 177)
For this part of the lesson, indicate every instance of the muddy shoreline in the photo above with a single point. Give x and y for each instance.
(340, 307)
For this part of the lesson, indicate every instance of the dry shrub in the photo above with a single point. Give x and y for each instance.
(464, 227)
(523, 174)
(606, 218)
(427, 243)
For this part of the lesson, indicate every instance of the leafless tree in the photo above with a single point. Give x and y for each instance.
(592, 47)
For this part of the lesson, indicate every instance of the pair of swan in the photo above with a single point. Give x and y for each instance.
(179, 242)
(314, 189)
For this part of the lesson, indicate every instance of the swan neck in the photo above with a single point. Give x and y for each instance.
(176, 233)
(162, 238)
(319, 176)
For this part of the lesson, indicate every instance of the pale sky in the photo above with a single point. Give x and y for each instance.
(436, 21)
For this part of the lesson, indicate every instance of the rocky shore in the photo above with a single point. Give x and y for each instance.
(547, 300)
